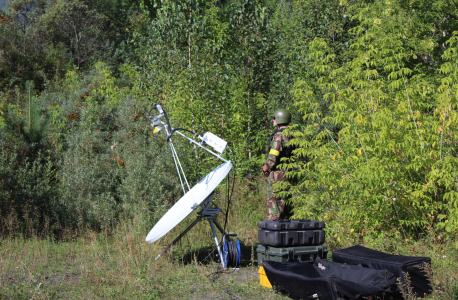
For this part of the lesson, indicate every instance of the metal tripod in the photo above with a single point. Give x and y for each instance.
(210, 214)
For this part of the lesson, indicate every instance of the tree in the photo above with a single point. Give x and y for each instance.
(389, 165)
(23, 54)
(79, 27)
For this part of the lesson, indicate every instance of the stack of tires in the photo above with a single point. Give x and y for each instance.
(291, 241)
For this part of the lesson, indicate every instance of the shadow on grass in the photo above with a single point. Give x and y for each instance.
(207, 255)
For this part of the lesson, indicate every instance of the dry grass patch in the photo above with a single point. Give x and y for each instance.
(119, 264)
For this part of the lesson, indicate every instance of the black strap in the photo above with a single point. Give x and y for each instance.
(320, 252)
(290, 255)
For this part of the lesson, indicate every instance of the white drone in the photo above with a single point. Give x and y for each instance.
(200, 195)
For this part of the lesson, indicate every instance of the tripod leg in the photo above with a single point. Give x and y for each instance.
(197, 220)
(210, 220)
(219, 227)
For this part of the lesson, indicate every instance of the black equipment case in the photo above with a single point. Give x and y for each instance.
(291, 254)
(281, 233)
(291, 238)
(291, 225)
(396, 264)
(327, 280)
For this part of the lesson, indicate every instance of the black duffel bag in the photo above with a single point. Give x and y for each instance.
(397, 264)
(327, 280)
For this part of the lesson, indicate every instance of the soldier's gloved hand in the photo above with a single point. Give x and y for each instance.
(265, 170)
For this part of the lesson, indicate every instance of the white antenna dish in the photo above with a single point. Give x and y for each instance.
(200, 195)
(189, 202)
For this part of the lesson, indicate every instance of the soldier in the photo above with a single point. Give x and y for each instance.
(277, 150)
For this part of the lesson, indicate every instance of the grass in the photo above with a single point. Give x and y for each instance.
(119, 266)
(116, 263)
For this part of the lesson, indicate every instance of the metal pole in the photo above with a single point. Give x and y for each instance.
(210, 220)
(178, 171)
(195, 143)
(174, 160)
(180, 165)
(197, 220)
(220, 228)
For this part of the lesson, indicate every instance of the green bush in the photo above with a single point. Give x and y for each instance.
(389, 163)
(110, 163)
(90, 160)
(26, 171)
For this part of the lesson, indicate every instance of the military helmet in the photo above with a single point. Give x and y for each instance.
(282, 116)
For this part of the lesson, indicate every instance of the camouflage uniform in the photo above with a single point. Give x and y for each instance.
(275, 205)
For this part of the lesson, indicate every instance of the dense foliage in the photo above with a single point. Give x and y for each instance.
(389, 164)
(372, 87)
